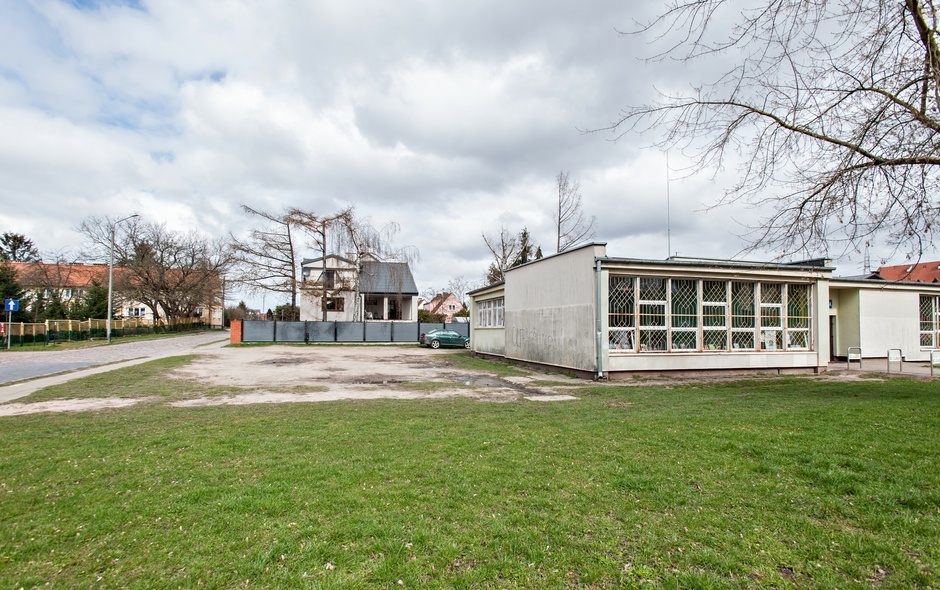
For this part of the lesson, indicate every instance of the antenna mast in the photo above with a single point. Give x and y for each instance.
(668, 214)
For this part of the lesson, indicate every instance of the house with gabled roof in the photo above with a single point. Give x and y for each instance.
(445, 304)
(922, 272)
(338, 288)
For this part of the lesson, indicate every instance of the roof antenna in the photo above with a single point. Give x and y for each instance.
(867, 267)
(668, 219)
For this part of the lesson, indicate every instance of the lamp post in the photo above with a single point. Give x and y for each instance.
(111, 272)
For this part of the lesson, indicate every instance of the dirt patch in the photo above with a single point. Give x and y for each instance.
(71, 405)
(291, 374)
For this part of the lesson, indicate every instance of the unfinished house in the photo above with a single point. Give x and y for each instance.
(338, 288)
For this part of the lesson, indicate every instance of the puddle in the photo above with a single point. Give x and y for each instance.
(277, 362)
(478, 381)
(377, 381)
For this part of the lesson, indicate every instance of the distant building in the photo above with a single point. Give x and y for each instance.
(923, 272)
(371, 290)
(70, 283)
(445, 304)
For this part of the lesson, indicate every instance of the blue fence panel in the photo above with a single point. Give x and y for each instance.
(405, 332)
(349, 331)
(424, 328)
(258, 331)
(322, 331)
(378, 332)
(268, 331)
(461, 328)
(290, 331)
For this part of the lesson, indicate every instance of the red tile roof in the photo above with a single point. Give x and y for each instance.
(70, 275)
(923, 272)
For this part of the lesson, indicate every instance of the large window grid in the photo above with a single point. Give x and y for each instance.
(652, 314)
(662, 314)
(930, 321)
(685, 313)
(798, 317)
(622, 313)
(714, 315)
(490, 313)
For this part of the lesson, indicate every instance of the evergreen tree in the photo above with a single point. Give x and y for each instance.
(94, 304)
(52, 308)
(527, 250)
(17, 248)
(10, 289)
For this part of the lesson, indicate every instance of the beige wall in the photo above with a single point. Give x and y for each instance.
(848, 327)
(486, 340)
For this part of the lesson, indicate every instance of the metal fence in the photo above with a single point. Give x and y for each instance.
(378, 332)
(51, 331)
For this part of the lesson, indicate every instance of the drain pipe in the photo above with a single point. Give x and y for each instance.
(598, 322)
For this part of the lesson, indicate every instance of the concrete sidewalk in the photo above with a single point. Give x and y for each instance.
(880, 365)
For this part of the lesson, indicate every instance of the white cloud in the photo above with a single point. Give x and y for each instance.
(447, 118)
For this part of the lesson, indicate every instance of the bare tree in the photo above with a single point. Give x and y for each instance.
(165, 270)
(460, 287)
(505, 251)
(571, 226)
(318, 227)
(267, 259)
(833, 108)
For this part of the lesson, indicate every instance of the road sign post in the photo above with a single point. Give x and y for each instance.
(10, 305)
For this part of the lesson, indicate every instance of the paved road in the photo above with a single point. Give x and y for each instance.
(16, 365)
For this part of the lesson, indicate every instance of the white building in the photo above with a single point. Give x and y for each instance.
(619, 316)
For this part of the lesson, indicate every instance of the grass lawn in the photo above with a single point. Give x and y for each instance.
(765, 483)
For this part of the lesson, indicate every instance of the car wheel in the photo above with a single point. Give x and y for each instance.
(435, 343)
(466, 344)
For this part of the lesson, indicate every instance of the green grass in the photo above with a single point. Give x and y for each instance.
(769, 483)
(466, 360)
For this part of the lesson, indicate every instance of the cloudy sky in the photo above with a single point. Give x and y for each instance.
(450, 119)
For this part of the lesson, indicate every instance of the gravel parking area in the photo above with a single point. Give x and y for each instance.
(291, 374)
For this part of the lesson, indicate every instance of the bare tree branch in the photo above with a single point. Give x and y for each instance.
(571, 226)
(832, 110)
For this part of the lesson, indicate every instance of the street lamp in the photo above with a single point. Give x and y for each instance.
(111, 272)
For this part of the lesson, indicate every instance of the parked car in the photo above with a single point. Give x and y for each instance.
(439, 338)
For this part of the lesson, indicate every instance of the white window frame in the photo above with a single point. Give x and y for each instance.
(491, 312)
(929, 327)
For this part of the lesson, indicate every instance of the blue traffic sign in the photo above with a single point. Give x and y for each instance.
(11, 305)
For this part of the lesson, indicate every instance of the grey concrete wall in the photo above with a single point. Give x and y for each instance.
(550, 310)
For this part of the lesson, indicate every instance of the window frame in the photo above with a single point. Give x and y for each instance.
(755, 316)
(491, 313)
(929, 321)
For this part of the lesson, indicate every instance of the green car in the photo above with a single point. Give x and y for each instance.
(439, 338)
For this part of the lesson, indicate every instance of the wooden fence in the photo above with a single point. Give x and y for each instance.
(51, 331)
